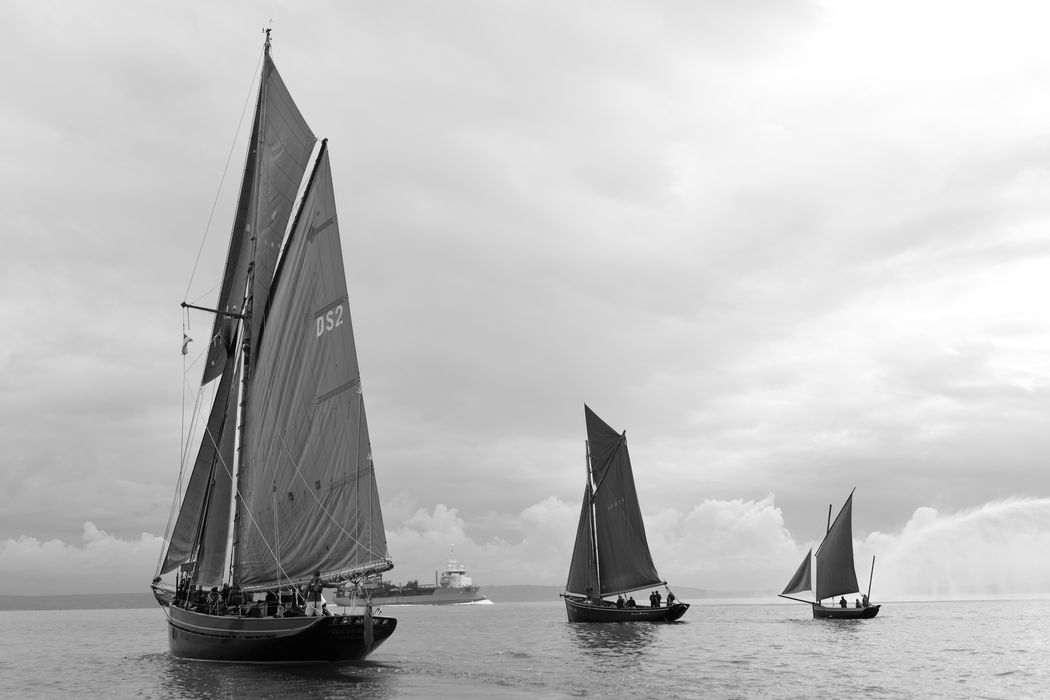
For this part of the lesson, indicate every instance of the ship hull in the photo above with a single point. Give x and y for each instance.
(275, 640)
(582, 611)
(821, 612)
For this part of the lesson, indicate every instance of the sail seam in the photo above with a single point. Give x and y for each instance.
(338, 390)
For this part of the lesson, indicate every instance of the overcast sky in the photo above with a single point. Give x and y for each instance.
(791, 248)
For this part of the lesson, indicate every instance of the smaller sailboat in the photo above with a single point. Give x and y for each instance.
(611, 556)
(835, 575)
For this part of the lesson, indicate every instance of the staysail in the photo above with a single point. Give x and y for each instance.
(836, 573)
(308, 497)
(801, 581)
(624, 561)
(201, 529)
(583, 574)
(278, 155)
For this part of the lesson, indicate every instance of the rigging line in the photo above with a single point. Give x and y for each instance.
(206, 294)
(237, 490)
(183, 456)
(225, 171)
(324, 510)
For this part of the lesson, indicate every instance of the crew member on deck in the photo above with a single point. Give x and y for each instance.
(842, 602)
(313, 595)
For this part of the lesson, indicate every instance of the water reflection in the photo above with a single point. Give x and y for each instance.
(199, 680)
(612, 639)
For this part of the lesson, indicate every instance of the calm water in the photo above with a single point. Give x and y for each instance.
(931, 650)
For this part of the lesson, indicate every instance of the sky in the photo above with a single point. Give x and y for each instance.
(792, 248)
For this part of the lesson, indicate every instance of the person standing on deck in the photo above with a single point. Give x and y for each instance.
(313, 595)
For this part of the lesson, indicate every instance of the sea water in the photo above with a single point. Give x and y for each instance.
(990, 649)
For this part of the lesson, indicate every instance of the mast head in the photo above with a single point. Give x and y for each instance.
(266, 31)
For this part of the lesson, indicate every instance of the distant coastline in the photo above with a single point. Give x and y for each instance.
(114, 601)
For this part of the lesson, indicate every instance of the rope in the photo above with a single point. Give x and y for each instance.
(225, 171)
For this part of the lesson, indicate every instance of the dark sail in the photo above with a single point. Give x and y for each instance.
(582, 573)
(202, 526)
(801, 580)
(278, 154)
(308, 497)
(836, 573)
(624, 561)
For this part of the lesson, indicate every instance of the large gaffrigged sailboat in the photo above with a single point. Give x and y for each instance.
(281, 500)
(836, 574)
(611, 556)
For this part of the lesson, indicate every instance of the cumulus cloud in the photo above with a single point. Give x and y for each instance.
(100, 563)
(732, 546)
(997, 548)
(536, 548)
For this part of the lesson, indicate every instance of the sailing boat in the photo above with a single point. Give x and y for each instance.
(282, 494)
(611, 556)
(836, 575)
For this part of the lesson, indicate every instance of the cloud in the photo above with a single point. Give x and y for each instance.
(535, 548)
(733, 546)
(996, 548)
(101, 563)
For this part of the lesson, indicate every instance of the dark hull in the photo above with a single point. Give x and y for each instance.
(838, 613)
(581, 611)
(274, 640)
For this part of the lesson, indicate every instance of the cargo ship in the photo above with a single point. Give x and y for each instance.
(451, 587)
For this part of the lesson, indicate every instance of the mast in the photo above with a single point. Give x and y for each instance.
(871, 576)
(594, 530)
(246, 325)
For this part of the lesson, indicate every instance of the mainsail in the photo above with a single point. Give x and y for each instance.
(308, 497)
(621, 560)
(836, 573)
